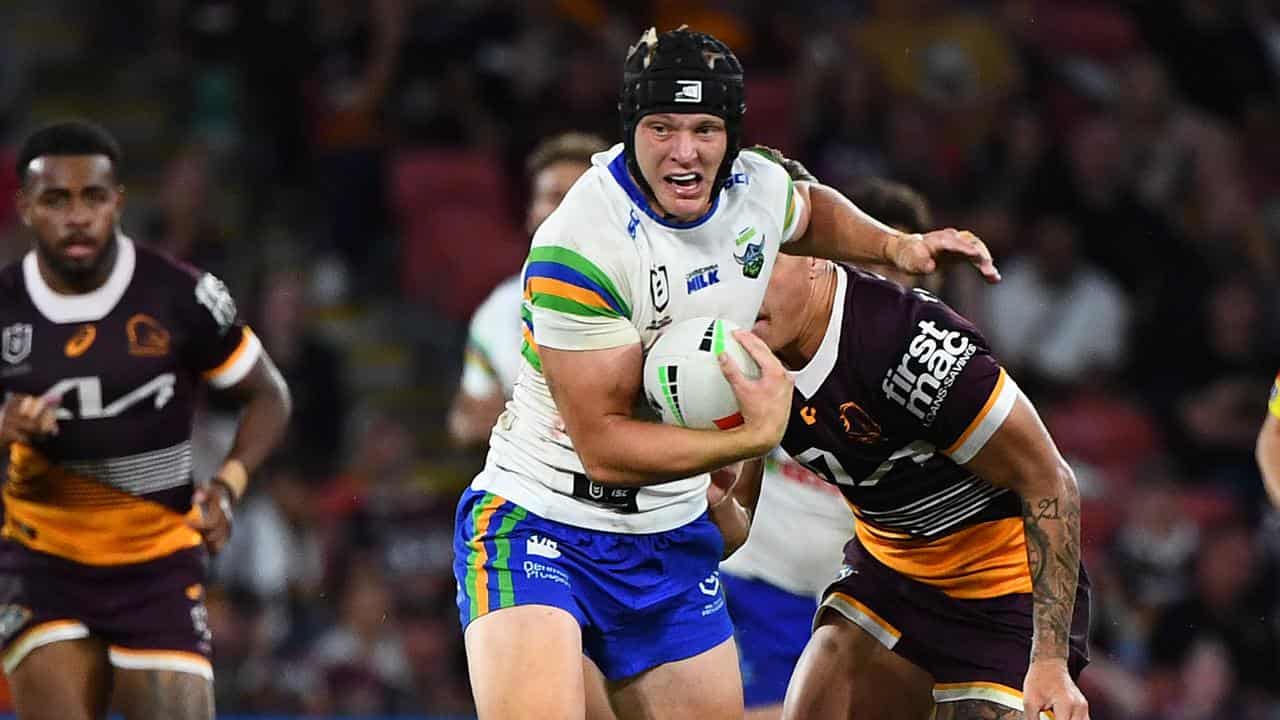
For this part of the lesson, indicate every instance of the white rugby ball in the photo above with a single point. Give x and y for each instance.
(682, 378)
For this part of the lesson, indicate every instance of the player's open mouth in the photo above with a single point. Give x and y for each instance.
(685, 185)
(79, 249)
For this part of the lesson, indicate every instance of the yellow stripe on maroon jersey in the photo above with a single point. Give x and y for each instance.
(238, 363)
(989, 419)
(80, 519)
(983, 561)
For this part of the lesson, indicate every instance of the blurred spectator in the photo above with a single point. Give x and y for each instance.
(1224, 607)
(1218, 59)
(937, 52)
(1176, 150)
(1057, 317)
(1153, 549)
(381, 513)
(360, 666)
(310, 363)
(1217, 411)
(1103, 423)
(433, 644)
(276, 552)
(357, 47)
(838, 114)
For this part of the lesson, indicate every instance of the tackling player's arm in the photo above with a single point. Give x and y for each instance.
(828, 225)
(266, 405)
(731, 501)
(595, 391)
(1268, 447)
(471, 417)
(482, 393)
(479, 400)
(1021, 456)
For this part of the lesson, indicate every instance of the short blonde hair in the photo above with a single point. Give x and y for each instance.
(575, 147)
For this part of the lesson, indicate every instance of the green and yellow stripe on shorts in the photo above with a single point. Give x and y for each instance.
(488, 585)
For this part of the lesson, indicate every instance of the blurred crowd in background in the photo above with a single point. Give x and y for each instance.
(353, 170)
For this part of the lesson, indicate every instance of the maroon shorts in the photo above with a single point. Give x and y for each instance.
(150, 614)
(974, 649)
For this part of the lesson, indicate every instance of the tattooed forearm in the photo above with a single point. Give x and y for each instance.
(1052, 525)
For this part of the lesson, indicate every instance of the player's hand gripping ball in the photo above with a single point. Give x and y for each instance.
(682, 378)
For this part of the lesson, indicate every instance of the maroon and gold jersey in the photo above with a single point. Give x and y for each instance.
(124, 363)
(901, 392)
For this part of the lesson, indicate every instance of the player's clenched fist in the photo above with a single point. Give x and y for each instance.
(765, 402)
(27, 417)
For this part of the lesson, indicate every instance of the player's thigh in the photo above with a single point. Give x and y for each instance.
(162, 695)
(845, 672)
(526, 662)
(764, 712)
(706, 686)
(597, 693)
(976, 710)
(65, 680)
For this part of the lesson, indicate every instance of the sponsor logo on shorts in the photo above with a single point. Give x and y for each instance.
(711, 588)
(923, 377)
(542, 547)
(538, 571)
(200, 624)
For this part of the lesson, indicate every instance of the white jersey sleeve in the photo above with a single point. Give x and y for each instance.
(492, 357)
(577, 293)
(779, 191)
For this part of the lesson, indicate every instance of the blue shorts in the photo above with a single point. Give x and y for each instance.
(642, 600)
(772, 627)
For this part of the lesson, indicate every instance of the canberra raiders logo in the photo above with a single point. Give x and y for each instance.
(752, 259)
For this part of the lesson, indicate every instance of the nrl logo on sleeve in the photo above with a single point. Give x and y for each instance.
(214, 296)
(15, 345)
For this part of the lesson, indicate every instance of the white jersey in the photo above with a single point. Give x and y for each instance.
(606, 271)
(798, 532)
(493, 343)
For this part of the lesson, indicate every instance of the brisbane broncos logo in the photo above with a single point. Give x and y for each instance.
(858, 424)
(752, 259)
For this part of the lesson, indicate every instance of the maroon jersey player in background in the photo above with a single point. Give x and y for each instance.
(103, 551)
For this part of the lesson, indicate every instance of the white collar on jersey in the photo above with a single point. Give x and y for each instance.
(810, 377)
(85, 307)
